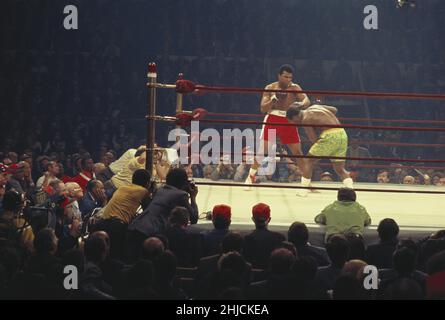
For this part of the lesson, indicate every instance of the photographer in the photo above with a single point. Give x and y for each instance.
(12, 226)
(178, 191)
(122, 209)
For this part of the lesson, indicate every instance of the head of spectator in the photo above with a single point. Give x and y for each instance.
(232, 261)
(46, 242)
(383, 176)
(261, 215)
(111, 156)
(53, 168)
(404, 260)
(403, 289)
(13, 156)
(289, 246)
(95, 250)
(57, 188)
(281, 261)
(388, 230)
(165, 267)
(356, 246)
(221, 216)
(102, 235)
(27, 158)
(98, 167)
(42, 162)
(326, 176)
(409, 180)
(152, 248)
(74, 191)
(441, 182)
(298, 234)
(346, 194)
(178, 178)
(233, 241)
(87, 164)
(354, 268)
(13, 201)
(141, 177)
(436, 178)
(179, 218)
(338, 248)
(77, 159)
(95, 187)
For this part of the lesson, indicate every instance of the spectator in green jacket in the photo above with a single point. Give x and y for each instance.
(344, 216)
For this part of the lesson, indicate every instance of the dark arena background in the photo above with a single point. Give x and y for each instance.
(101, 199)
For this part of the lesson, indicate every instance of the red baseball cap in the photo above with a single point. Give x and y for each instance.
(261, 211)
(222, 210)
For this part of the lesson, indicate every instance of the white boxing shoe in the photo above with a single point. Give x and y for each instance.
(248, 182)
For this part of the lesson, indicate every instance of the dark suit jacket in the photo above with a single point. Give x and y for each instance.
(319, 254)
(154, 219)
(186, 246)
(259, 244)
(380, 254)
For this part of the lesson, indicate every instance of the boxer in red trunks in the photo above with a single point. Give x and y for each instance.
(275, 106)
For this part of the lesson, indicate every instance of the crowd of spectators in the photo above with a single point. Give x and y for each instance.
(138, 244)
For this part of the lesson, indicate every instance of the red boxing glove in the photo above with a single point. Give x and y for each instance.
(199, 113)
(185, 86)
(183, 119)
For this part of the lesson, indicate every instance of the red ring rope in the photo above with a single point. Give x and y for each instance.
(437, 122)
(381, 95)
(324, 125)
(369, 142)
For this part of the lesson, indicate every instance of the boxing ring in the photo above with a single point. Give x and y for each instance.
(414, 207)
(426, 212)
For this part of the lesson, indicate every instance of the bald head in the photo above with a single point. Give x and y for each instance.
(101, 235)
(151, 248)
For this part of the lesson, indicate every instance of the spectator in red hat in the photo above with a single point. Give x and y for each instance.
(221, 219)
(260, 243)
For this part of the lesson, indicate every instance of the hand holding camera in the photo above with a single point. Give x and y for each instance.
(192, 190)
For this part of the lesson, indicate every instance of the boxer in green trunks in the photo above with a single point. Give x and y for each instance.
(332, 142)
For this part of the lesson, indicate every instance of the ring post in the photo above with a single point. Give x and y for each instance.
(152, 78)
(179, 99)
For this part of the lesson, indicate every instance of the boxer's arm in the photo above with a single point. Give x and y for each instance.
(268, 101)
(302, 97)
